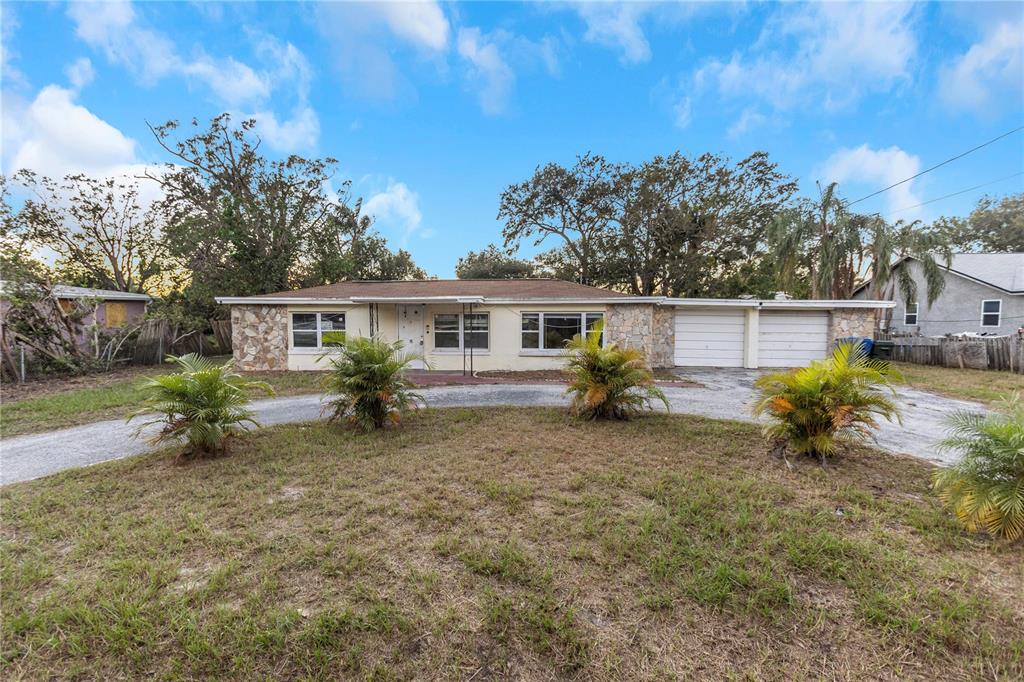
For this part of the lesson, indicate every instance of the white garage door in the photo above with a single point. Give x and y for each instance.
(791, 339)
(709, 338)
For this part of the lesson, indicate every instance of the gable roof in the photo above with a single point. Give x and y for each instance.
(1002, 271)
(442, 289)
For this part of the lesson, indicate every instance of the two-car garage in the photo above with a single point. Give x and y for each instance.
(745, 335)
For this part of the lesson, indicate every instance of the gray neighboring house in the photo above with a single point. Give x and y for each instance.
(984, 294)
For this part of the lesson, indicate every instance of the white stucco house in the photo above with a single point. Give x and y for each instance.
(984, 294)
(523, 324)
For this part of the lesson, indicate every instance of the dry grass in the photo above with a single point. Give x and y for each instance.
(967, 384)
(502, 543)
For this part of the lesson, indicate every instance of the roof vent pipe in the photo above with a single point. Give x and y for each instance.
(782, 296)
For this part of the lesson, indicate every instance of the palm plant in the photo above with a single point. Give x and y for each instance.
(202, 404)
(608, 382)
(985, 489)
(811, 408)
(366, 384)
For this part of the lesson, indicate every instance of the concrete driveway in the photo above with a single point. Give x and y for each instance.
(726, 394)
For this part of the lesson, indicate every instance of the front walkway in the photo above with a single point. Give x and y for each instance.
(725, 394)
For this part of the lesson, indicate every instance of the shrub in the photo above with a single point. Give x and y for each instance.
(985, 489)
(812, 407)
(203, 404)
(366, 383)
(608, 382)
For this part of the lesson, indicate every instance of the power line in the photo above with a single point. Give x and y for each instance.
(963, 191)
(938, 165)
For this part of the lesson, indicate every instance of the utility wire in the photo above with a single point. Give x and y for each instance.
(938, 165)
(954, 194)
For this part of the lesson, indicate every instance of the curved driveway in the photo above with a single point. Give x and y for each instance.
(725, 394)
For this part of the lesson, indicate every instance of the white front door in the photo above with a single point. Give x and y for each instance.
(410, 331)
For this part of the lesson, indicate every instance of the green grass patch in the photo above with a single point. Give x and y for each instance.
(502, 543)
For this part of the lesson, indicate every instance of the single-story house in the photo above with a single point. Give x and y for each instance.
(984, 294)
(523, 324)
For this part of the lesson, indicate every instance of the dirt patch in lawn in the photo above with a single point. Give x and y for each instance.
(503, 543)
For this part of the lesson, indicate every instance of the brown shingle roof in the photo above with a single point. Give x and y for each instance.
(488, 288)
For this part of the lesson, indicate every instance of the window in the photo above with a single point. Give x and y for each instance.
(456, 332)
(551, 331)
(910, 314)
(116, 314)
(991, 313)
(317, 330)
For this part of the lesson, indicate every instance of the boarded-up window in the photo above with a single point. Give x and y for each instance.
(117, 314)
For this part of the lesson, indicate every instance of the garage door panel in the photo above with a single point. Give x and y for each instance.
(791, 339)
(709, 338)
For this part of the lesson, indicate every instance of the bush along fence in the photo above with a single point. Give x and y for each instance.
(147, 343)
(997, 353)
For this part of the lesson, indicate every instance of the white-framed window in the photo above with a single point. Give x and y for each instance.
(991, 312)
(315, 331)
(910, 314)
(551, 331)
(458, 331)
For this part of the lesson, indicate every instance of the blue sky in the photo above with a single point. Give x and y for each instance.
(433, 108)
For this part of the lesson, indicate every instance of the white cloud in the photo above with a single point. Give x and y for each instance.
(828, 53)
(876, 168)
(990, 74)
(617, 25)
(748, 120)
(80, 73)
(365, 36)
(55, 136)
(682, 111)
(115, 29)
(494, 76)
(422, 22)
(396, 209)
(297, 133)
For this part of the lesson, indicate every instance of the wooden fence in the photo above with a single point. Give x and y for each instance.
(997, 353)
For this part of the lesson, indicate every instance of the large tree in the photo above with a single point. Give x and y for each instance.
(493, 263)
(994, 226)
(673, 225)
(234, 209)
(573, 205)
(100, 232)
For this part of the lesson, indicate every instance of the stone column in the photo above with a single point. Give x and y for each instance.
(844, 322)
(259, 337)
(643, 326)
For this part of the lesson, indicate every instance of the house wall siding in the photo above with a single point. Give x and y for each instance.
(956, 310)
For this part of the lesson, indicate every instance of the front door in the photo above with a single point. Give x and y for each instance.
(410, 331)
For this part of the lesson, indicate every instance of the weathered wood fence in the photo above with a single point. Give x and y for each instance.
(997, 353)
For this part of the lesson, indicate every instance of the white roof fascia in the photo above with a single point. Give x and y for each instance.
(827, 304)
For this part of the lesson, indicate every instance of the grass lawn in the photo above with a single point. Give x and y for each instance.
(483, 543)
(967, 384)
(56, 404)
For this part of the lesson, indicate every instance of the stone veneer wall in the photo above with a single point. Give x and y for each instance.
(844, 322)
(259, 336)
(644, 326)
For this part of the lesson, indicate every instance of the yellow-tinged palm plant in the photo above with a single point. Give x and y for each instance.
(842, 396)
(985, 489)
(608, 382)
(202, 404)
(366, 384)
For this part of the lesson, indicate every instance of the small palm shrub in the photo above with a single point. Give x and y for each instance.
(366, 385)
(985, 489)
(202, 404)
(608, 382)
(811, 408)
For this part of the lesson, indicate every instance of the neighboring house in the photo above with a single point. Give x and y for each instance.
(523, 324)
(109, 309)
(984, 294)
